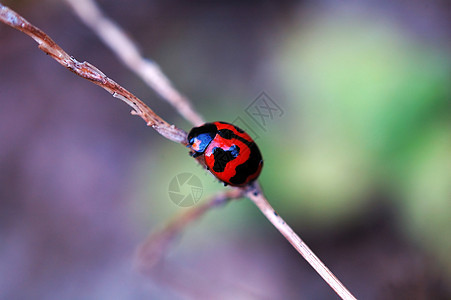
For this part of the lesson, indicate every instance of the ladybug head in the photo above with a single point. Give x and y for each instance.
(200, 137)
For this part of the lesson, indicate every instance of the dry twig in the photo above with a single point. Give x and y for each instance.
(152, 250)
(172, 133)
(91, 73)
(127, 51)
(262, 203)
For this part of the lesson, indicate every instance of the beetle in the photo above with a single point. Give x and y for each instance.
(231, 155)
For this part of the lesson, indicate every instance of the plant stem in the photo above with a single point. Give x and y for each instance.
(262, 203)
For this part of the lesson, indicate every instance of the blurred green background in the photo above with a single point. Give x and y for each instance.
(357, 159)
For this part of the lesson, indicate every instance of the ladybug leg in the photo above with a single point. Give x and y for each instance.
(225, 184)
(195, 154)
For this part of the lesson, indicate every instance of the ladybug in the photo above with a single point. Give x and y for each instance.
(230, 153)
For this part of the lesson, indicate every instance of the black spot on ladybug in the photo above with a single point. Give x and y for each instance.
(249, 167)
(226, 134)
(238, 129)
(222, 157)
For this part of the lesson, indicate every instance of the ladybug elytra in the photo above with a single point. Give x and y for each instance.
(230, 153)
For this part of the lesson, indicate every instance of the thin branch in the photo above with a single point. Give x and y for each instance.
(172, 133)
(127, 51)
(157, 243)
(262, 203)
(91, 73)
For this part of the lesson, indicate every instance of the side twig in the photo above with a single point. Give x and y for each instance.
(156, 244)
(91, 73)
(127, 51)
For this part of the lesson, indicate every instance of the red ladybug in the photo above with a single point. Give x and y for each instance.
(230, 153)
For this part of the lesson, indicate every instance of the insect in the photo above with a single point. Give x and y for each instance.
(230, 153)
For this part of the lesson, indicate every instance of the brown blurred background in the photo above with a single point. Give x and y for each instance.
(357, 159)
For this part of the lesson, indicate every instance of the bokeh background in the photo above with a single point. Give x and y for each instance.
(357, 160)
